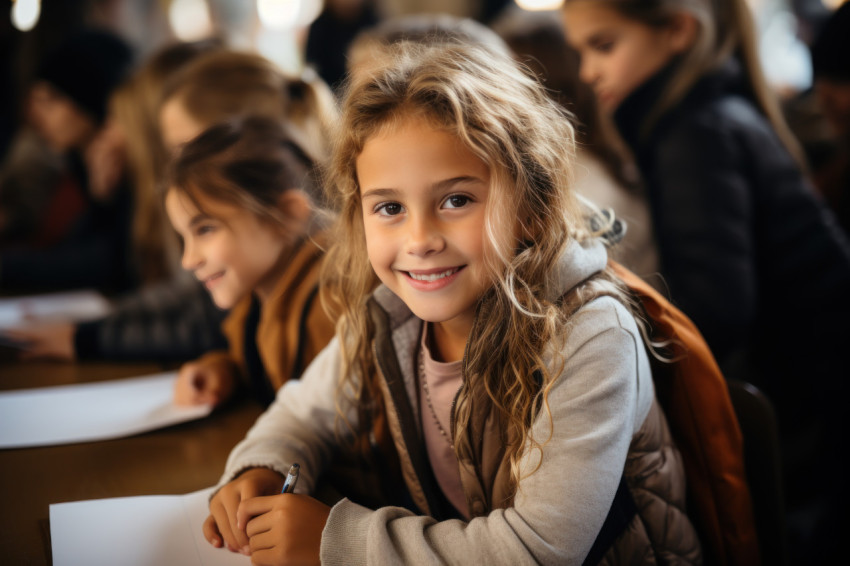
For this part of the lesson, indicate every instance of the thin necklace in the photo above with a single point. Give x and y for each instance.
(428, 398)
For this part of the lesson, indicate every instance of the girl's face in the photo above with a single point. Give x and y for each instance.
(62, 123)
(424, 196)
(230, 250)
(618, 54)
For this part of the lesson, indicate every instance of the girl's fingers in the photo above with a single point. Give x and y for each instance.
(250, 508)
(263, 540)
(218, 512)
(211, 533)
(232, 503)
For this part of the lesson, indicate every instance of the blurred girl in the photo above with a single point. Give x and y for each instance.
(185, 88)
(234, 83)
(241, 199)
(496, 383)
(605, 173)
(748, 251)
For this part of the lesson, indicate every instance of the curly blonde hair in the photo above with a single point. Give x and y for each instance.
(503, 115)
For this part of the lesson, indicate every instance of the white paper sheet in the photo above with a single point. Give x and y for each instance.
(91, 411)
(74, 306)
(152, 530)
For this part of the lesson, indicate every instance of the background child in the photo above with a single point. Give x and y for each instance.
(496, 383)
(77, 232)
(604, 171)
(242, 201)
(198, 85)
(748, 251)
(239, 83)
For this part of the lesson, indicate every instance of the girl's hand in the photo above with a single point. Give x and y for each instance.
(221, 528)
(53, 341)
(284, 529)
(203, 384)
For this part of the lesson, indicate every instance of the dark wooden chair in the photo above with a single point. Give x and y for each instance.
(762, 460)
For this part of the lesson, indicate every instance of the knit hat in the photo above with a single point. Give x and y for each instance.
(87, 66)
(831, 47)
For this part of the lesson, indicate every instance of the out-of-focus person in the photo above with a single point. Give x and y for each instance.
(72, 230)
(747, 248)
(831, 67)
(605, 173)
(175, 320)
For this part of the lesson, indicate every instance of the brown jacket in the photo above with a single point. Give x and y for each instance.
(292, 322)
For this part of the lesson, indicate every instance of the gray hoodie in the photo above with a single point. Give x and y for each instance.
(598, 404)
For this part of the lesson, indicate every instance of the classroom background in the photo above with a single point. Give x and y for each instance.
(85, 219)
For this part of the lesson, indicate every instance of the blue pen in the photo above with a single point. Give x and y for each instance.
(291, 478)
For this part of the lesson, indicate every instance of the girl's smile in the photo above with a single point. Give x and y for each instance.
(209, 282)
(432, 279)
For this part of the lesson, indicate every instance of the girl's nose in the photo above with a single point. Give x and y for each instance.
(191, 259)
(586, 71)
(423, 237)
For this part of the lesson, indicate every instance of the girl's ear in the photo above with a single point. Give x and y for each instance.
(297, 210)
(683, 31)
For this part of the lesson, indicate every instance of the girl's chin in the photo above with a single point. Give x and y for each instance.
(224, 303)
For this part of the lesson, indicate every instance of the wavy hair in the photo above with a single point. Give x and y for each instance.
(503, 115)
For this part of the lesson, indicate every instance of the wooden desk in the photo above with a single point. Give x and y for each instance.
(175, 460)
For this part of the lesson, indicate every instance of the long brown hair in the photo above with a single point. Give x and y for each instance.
(725, 29)
(245, 162)
(504, 116)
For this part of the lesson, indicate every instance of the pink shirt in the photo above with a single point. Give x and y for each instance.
(443, 380)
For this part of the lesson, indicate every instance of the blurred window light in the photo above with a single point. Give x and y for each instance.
(288, 14)
(190, 19)
(25, 13)
(539, 5)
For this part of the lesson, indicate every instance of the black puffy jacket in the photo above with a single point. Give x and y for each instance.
(750, 252)
(747, 248)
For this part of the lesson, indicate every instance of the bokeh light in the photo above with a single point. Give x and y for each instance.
(25, 14)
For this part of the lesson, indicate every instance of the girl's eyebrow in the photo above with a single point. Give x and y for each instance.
(198, 218)
(598, 35)
(380, 193)
(436, 187)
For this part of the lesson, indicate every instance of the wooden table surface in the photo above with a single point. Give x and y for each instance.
(174, 460)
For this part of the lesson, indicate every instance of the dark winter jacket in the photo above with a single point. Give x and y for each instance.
(747, 249)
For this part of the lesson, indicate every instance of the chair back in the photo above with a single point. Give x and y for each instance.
(757, 420)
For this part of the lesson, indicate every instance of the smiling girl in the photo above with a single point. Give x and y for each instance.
(494, 389)
(746, 248)
(242, 201)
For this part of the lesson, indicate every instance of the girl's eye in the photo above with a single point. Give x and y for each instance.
(204, 229)
(389, 209)
(457, 201)
(604, 46)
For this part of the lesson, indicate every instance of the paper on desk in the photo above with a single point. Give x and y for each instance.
(73, 306)
(91, 411)
(149, 530)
